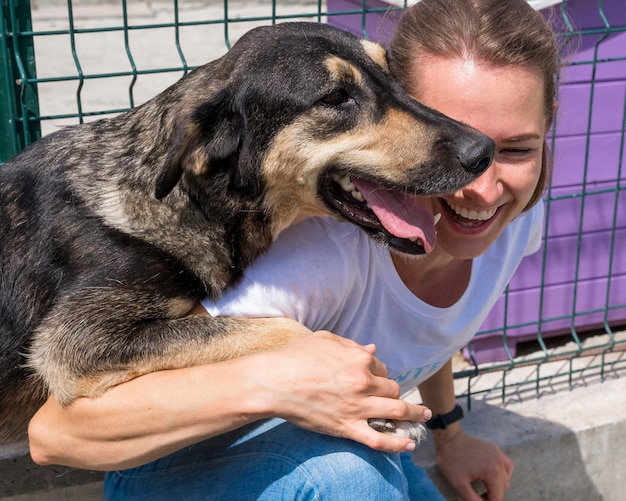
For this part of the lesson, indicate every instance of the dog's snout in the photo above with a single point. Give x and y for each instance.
(475, 156)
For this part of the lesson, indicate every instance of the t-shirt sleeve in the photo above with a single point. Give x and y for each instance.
(303, 276)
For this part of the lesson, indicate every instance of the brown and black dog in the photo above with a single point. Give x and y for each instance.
(111, 231)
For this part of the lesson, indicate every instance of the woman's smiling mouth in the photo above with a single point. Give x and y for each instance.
(468, 218)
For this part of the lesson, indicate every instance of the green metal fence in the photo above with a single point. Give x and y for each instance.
(65, 62)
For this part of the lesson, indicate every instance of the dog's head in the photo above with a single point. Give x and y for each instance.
(305, 119)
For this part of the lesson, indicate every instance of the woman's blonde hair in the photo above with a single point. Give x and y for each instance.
(496, 32)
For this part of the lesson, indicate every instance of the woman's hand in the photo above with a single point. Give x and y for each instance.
(332, 385)
(464, 459)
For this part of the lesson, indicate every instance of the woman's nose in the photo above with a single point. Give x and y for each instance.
(487, 188)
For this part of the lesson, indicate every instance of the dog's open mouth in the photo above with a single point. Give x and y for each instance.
(400, 220)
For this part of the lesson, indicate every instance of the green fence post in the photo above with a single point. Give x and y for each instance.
(19, 105)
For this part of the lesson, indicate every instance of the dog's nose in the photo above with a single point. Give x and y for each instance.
(476, 156)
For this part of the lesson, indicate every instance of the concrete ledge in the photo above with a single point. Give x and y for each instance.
(21, 479)
(566, 444)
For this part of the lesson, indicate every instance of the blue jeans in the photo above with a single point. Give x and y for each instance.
(274, 461)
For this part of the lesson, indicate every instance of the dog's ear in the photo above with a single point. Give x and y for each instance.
(210, 134)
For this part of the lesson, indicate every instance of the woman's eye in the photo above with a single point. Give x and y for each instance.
(516, 151)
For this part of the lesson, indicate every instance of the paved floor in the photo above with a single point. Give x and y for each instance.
(147, 50)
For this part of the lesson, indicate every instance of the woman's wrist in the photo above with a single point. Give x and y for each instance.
(443, 437)
(257, 387)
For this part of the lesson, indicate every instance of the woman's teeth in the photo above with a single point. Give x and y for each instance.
(472, 215)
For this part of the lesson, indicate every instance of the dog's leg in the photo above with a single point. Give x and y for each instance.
(88, 345)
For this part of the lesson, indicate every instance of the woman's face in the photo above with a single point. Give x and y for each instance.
(505, 103)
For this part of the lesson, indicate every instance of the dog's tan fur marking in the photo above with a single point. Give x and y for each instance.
(111, 208)
(377, 53)
(135, 214)
(340, 69)
(398, 156)
(179, 307)
(197, 161)
(247, 336)
(296, 160)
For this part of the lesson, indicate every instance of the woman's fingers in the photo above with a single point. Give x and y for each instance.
(341, 385)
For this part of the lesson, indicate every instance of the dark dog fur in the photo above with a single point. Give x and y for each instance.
(113, 230)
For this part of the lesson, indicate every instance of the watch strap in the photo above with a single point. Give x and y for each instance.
(442, 421)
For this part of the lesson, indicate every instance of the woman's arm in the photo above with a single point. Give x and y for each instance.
(463, 458)
(324, 383)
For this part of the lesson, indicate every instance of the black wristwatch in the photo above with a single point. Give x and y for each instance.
(442, 421)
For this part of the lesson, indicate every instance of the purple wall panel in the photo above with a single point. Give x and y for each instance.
(561, 255)
(609, 47)
(379, 26)
(595, 43)
(489, 347)
(575, 101)
(598, 214)
(602, 160)
(586, 14)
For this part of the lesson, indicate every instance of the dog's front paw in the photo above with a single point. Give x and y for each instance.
(414, 431)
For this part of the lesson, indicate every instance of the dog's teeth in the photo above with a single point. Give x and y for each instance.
(345, 183)
(357, 196)
(413, 239)
(437, 218)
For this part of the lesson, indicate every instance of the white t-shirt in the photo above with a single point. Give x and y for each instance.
(330, 275)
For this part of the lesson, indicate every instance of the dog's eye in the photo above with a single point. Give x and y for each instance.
(338, 98)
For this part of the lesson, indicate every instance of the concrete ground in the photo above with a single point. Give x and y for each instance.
(564, 436)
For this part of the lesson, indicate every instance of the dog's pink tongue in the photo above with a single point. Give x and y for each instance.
(401, 214)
